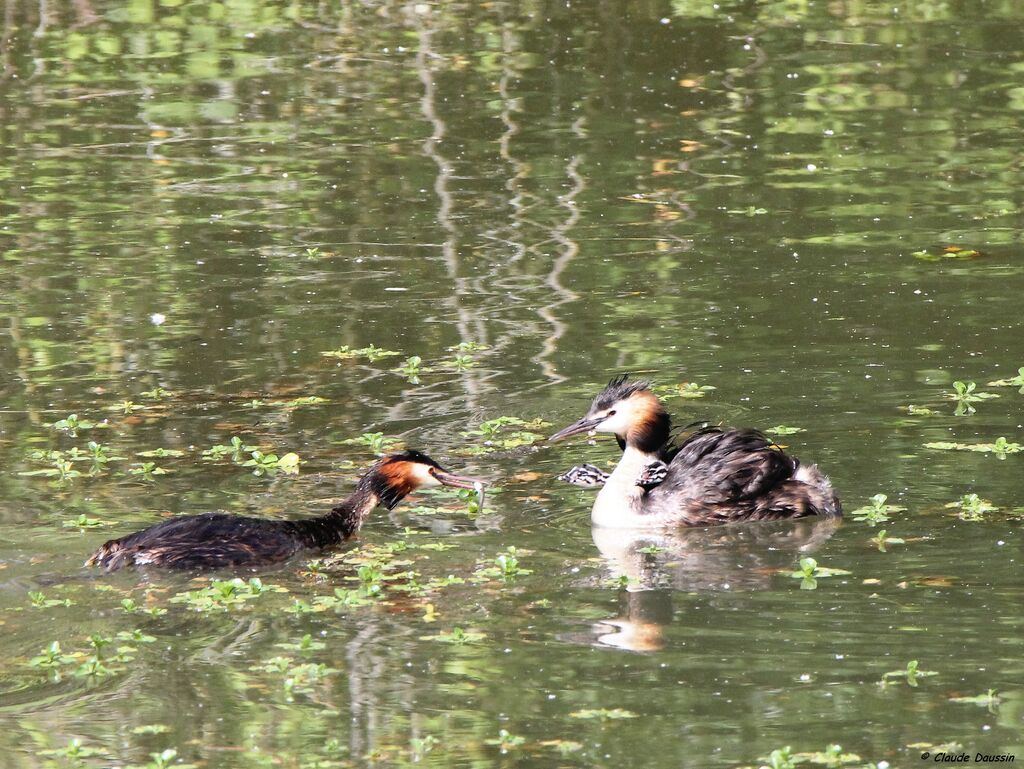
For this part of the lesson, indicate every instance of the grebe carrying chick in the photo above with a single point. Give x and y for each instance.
(714, 476)
(215, 540)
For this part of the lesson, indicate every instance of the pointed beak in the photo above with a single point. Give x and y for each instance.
(584, 425)
(459, 481)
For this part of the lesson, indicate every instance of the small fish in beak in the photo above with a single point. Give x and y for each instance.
(462, 482)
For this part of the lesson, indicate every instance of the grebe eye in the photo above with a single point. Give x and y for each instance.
(611, 413)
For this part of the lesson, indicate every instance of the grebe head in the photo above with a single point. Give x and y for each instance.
(628, 410)
(399, 474)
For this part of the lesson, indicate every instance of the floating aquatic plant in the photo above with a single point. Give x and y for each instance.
(1017, 381)
(506, 740)
(221, 595)
(604, 714)
(371, 353)
(949, 252)
(161, 453)
(1000, 447)
(74, 751)
(810, 572)
(147, 470)
(780, 758)
(237, 448)
(151, 729)
(964, 393)
(71, 424)
(831, 756)
(83, 521)
(308, 400)
(882, 539)
(877, 511)
(564, 747)
(919, 411)
(683, 390)
(299, 677)
(457, 636)
(468, 347)
(972, 507)
(463, 362)
(265, 463)
(651, 549)
(305, 645)
(989, 700)
(911, 673)
(375, 442)
(51, 657)
(39, 600)
(165, 759)
(782, 430)
(504, 566)
(496, 438)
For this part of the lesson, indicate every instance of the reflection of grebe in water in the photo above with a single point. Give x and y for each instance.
(702, 560)
(713, 476)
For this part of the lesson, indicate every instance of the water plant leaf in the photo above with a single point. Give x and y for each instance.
(457, 636)
(911, 673)
(989, 700)
(683, 390)
(371, 353)
(919, 411)
(1000, 447)
(309, 400)
(949, 252)
(876, 511)
(972, 507)
(604, 713)
(161, 453)
(1017, 381)
(783, 430)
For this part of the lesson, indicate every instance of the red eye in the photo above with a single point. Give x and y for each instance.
(611, 413)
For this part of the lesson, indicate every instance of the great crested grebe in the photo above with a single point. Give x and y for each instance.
(213, 540)
(714, 476)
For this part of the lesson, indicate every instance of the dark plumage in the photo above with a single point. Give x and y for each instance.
(215, 540)
(718, 475)
(713, 475)
(618, 389)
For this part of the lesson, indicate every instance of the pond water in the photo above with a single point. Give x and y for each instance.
(198, 200)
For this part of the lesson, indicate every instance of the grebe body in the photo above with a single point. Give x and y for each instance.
(217, 540)
(715, 475)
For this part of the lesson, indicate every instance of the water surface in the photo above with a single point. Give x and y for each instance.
(197, 200)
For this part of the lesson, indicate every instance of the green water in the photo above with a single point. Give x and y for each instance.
(198, 199)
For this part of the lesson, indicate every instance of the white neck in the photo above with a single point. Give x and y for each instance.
(619, 502)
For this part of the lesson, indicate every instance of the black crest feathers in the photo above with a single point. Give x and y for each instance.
(618, 389)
